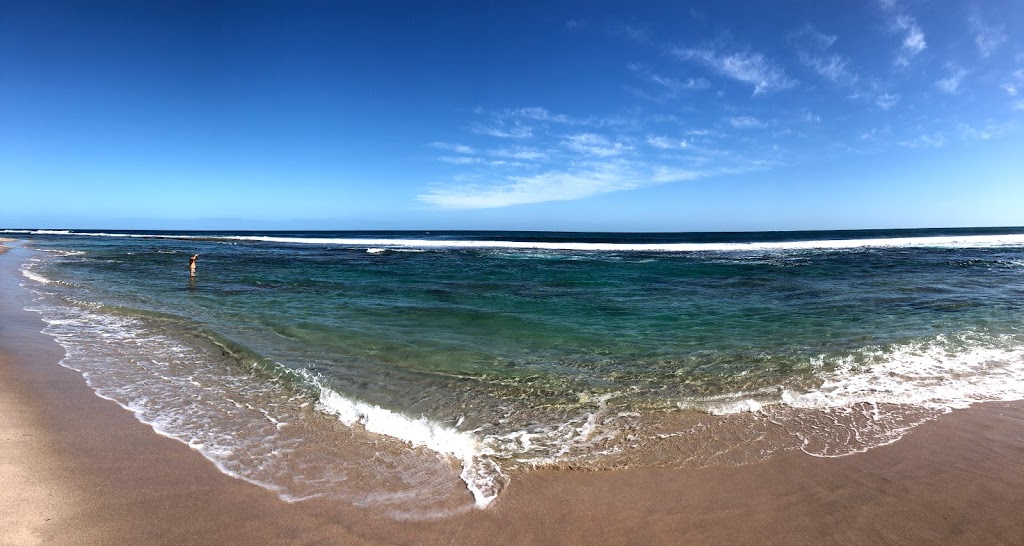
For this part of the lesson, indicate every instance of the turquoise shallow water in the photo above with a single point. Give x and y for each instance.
(505, 349)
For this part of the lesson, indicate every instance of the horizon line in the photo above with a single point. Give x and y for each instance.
(37, 231)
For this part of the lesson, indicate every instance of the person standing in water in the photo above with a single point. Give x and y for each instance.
(192, 266)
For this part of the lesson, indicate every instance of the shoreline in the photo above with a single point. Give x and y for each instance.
(80, 469)
(100, 476)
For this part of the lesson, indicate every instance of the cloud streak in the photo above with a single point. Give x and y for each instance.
(572, 184)
(743, 66)
(457, 148)
(833, 68)
(951, 83)
(913, 37)
(747, 122)
(520, 153)
(540, 114)
(886, 101)
(595, 145)
(668, 87)
(913, 40)
(460, 159)
(812, 51)
(555, 185)
(666, 175)
(665, 143)
(987, 38)
(925, 141)
(501, 131)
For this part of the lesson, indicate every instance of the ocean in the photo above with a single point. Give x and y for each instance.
(417, 373)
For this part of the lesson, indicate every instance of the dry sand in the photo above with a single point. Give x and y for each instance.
(77, 469)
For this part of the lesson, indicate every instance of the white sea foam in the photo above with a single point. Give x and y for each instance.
(394, 249)
(38, 231)
(63, 252)
(28, 270)
(948, 372)
(965, 241)
(945, 373)
(103, 366)
(477, 450)
(742, 405)
(483, 479)
(29, 274)
(876, 395)
(940, 241)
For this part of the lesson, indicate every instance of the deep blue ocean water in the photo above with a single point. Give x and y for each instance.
(413, 354)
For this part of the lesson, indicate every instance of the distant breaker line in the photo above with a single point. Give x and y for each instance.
(377, 245)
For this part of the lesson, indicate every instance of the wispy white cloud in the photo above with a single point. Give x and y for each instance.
(1013, 86)
(833, 68)
(669, 87)
(886, 101)
(460, 159)
(571, 184)
(913, 40)
(924, 140)
(913, 37)
(520, 153)
(988, 38)
(457, 148)
(664, 175)
(555, 185)
(812, 50)
(640, 93)
(502, 131)
(638, 33)
(973, 133)
(951, 83)
(743, 66)
(747, 122)
(984, 132)
(666, 143)
(537, 113)
(809, 37)
(595, 145)
(809, 117)
(530, 121)
(1019, 105)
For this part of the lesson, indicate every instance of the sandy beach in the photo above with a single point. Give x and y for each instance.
(78, 469)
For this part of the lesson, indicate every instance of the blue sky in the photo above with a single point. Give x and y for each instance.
(589, 115)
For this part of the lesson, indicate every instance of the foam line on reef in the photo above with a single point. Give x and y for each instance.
(377, 244)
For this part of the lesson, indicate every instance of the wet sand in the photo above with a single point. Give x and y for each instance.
(77, 469)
